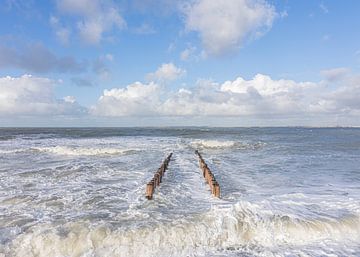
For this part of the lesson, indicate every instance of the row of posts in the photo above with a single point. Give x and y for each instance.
(157, 179)
(209, 176)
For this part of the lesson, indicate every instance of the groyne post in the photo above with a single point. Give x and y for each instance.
(208, 176)
(157, 178)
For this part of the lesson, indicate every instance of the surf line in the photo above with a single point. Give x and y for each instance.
(209, 176)
(157, 179)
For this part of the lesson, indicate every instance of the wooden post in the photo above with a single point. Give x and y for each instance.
(149, 190)
(217, 190)
(209, 177)
(207, 174)
(213, 185)
(157, 179)
(159, 175)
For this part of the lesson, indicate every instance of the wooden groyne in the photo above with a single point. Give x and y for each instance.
(209, 176)
(157, 179)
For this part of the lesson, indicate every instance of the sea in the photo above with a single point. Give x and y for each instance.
(81, 192)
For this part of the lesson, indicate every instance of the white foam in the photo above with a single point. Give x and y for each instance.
(240, 225)
(78, 151)
(212, 144)
(8, 151)
(217, 144)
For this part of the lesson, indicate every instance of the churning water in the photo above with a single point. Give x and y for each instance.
(80, 192)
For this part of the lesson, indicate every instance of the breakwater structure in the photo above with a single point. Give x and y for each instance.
(209, 176)
(157, 179)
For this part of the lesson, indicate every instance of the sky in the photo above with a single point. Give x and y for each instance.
(179, 63)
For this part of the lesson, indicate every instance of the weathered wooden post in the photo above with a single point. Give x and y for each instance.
(157, 179)
(217, 190)
(159, 175)
(209, 176)
(149, 190)
(212, 187)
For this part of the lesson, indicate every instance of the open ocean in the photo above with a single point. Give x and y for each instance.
(81, 192)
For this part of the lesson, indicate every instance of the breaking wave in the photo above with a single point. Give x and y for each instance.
(216, 144)
(78, 151)
(240, 225)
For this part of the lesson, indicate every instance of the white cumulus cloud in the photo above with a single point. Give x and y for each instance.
(137, 99)
(166, 72)
(28, 95)
(224, 25)
(259, 97)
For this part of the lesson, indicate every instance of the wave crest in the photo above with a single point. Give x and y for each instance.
(238, 226)
(82, 151)
(217, 144)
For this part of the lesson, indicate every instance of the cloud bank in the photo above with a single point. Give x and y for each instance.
(256, 99)
(34, 96)
(259, 97)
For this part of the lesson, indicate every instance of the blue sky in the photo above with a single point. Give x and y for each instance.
(171, 62)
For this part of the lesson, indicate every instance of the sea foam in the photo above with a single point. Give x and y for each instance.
(218, 144)
(78, 151)
(220, 228)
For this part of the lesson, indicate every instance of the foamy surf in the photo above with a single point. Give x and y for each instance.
(296, 195)
(79, 151)
(243, 224)
(228, 144)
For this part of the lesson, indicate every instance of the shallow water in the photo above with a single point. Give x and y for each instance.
(80, 192)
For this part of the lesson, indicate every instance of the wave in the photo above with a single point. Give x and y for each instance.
(220, 229)
(11, 151)
(79, 151)
(217, 144)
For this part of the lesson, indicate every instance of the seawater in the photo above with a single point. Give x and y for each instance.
(80, 192)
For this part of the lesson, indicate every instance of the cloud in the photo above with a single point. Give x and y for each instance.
(25, 8)
(82, 82)
(260, 97)
(136, 99)
(95, 17)
(69, 99)
(188, 53)
(62, 33)
(223, 26)
(37, 58)
(335, 73)
(100, 66)
(343, 99)
(166, 72)
(32, 96)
